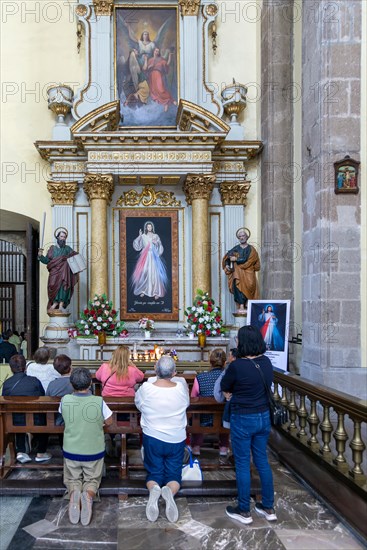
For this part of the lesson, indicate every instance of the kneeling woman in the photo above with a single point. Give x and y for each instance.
(163, 407)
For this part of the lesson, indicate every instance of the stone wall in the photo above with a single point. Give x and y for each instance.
(276, 159)
(331, 287)
(277, 266)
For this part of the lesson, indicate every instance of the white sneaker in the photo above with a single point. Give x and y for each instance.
(23, 458)
(44, 457)
(152, 510)
(269, 513)
(171, 508)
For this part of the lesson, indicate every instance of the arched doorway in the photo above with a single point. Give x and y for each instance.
(19, 276)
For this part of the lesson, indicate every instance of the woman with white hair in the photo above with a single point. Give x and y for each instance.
(163, 407)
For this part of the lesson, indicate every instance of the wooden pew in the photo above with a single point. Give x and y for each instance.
(49, 406)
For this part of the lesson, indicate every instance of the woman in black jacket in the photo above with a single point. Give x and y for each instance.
(250, 422)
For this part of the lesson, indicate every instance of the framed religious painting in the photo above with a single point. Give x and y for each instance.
(346, 175)
(272, 319)
(149, 264)
(147, 65)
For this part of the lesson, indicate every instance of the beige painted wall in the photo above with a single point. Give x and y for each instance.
(238, 56)
(38, 48)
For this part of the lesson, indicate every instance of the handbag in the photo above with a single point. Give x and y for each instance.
(192, 470)
(278, 413)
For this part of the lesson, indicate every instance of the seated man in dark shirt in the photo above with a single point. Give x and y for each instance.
(61, 386)
(7, 349)
(22, 385)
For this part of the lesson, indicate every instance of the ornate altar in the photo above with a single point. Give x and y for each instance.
(177, 159)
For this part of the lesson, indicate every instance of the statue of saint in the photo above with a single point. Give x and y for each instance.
(240, 265)
(61, 279)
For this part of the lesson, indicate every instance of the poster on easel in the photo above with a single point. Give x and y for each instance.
(271, 317)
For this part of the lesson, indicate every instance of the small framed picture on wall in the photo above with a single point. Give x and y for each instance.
(346, 175)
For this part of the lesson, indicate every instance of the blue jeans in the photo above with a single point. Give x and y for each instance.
(162, 460)
(250, 432)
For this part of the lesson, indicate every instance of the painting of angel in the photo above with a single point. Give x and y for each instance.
(147, 66)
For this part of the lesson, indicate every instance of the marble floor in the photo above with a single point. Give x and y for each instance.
(303, 523)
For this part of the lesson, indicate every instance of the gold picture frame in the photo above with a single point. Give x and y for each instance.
(149, 264)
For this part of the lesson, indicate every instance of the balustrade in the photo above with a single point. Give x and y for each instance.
(307, 403)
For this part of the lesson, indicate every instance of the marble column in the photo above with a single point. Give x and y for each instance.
(99, 189)
(197, 189)
(234, 199)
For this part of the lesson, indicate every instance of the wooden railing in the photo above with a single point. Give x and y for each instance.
(323, 420)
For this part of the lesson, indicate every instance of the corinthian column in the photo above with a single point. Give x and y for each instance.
(63, 197)
(197, 189)
(99, 189)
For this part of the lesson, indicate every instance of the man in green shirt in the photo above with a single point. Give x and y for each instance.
(61, 279)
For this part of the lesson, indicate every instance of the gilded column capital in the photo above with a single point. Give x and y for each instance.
(234, 192)
(198, 186)
(189, 7)
(103, 7)
(62, 192)
(99, 186)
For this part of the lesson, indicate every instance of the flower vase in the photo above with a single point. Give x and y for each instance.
(191, 335)
(147, 333)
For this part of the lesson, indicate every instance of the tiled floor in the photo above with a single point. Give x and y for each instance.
(303, 523)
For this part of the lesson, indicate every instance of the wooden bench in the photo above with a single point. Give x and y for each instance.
(124, 485)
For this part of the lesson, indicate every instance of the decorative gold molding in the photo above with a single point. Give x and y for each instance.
(99, 186)
(191, 117)
(228, 166)
(150, 157)
(81, 10)
(103, 7)
(148, 197)
(68, 167)
(189, 7)
(101, 119)
(198, 186)
(211, 10)
(62, 192)
(234, 192)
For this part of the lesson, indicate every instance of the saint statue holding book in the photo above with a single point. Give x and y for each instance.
(62, 277)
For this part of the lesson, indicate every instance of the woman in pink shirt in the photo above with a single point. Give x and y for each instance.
(119, 376)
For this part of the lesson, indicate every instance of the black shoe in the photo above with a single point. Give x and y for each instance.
(267, 512)
(235, 513)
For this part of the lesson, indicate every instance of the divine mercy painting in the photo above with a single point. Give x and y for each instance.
(146, 65)
(149, 263)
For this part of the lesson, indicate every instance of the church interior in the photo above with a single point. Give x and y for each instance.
(173, 172)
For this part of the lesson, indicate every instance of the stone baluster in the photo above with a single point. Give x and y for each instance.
(326, 430)
(99, 189)
(197, 189)
(292, 408)
(302, 415)
(357, 447)
(313, 422)
(340, 436)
